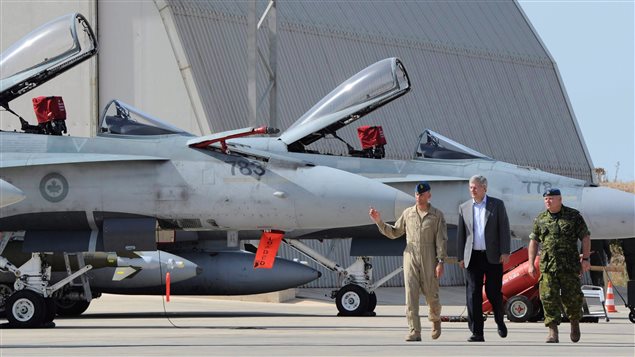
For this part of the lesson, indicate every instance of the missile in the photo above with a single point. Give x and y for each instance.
(118, 268)
(220, 273)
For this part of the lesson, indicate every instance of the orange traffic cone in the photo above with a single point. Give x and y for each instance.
(610, 299)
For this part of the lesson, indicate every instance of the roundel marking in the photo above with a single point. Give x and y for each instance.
(54, 187)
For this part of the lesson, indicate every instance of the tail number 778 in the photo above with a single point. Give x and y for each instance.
(540, 186)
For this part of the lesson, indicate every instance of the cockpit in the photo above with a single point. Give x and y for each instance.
(40, 56)
(369, 89)
(119, 118)
(433, 145)
(45, 53)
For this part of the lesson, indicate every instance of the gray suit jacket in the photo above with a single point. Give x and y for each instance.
(497, 234)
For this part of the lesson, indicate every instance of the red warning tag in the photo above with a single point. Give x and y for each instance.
(267, 249)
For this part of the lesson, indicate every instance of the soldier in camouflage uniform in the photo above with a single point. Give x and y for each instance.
(426, 248)
(558, 229)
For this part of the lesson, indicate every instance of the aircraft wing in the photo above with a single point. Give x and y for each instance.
(35, 159)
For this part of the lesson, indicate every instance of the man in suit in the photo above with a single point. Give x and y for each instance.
(483, 239)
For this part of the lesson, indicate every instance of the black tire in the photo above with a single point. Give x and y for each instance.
(51, 309)
(5, 292)
(538, 313)
(26, 309)
(352, 300)
(631, 316)
(519, 309)
(372, 302)
(71, 308)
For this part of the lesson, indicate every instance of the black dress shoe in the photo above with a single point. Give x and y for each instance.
(502, 330)
(476, 338)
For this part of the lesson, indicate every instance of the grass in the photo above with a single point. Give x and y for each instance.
(619, 185)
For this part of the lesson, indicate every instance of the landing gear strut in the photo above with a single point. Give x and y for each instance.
(31, 303)
(357, 295)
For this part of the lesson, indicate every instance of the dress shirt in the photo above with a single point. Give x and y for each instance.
(479, 224)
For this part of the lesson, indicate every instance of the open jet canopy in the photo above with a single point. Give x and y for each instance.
(119, 118)
(433, 145)
(44, 53)
(373, 87)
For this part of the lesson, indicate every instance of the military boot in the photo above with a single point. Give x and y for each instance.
(436, 329)
(575, 331)
(413, 336)
(553, 333)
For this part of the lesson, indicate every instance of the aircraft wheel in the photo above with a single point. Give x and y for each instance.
(51, 309)
(372, 302)
(538, 313)
(5, 292)
(26, 308)
(352, 300)
(71, 308)
(519, 309)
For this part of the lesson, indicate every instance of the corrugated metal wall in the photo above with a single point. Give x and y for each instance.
(479, 74)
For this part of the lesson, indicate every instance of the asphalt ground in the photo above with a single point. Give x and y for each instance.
(117, 325)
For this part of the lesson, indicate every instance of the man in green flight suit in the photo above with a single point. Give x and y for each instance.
(558, 229)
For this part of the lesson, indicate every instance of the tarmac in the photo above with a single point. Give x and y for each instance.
(117, 325)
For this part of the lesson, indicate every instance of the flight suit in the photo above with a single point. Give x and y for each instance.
(560, 262)
(426, 243)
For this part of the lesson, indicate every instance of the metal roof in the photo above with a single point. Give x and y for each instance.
(480, 74)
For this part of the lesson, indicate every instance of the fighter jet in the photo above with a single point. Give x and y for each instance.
(446, 164)
(141, 176)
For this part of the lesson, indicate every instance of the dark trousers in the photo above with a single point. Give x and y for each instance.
(478, 269)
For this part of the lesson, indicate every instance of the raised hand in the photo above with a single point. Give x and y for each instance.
(374, 215)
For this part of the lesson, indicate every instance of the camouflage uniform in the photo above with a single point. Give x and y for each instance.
(426, 242)
(560, 263)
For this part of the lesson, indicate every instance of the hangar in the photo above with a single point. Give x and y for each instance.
(480, 74)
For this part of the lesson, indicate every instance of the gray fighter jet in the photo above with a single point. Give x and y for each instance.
(446, 164)
(141, 177)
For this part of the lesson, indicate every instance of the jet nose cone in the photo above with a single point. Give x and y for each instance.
(10, 194)
(609, 213)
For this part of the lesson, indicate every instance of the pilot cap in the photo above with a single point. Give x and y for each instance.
(422, 187)
(551, 192)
